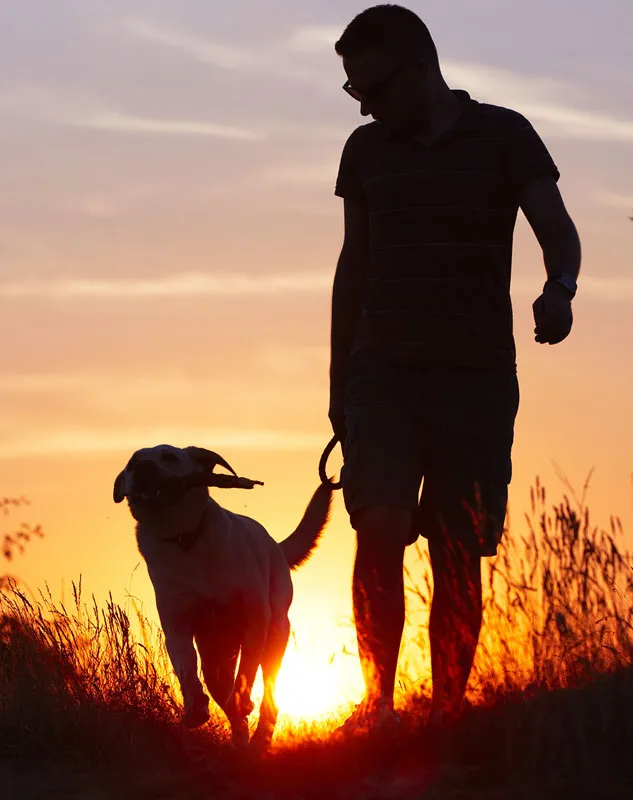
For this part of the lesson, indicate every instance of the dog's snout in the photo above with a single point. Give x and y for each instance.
(146, 476)
(145, 466)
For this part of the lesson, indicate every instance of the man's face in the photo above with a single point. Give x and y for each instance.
(391, 90)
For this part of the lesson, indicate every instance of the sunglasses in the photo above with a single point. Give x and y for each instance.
(378, 87)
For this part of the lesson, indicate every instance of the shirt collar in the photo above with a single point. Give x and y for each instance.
(467, 120)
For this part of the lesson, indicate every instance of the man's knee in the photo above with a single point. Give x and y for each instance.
(383, 527)
(448, 556)
(456, 572)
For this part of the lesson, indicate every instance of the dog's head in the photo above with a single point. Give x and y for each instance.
(156, 477)
(153, 472)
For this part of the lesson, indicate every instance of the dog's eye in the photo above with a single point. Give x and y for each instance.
(170, 458)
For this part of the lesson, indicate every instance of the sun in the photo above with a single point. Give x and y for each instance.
(314, 684)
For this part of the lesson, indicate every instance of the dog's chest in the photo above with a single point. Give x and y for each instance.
(198, 573)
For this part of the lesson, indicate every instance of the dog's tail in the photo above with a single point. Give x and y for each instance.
(298, 547)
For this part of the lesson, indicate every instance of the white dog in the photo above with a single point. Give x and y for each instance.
(219, 578)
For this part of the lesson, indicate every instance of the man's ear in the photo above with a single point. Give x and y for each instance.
(119, 488)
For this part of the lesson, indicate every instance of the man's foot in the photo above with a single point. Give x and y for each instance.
(370, 717)
(441, 718)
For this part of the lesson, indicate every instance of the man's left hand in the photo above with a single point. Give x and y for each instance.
(553, 316)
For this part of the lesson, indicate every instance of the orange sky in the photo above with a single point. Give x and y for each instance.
(169, 235)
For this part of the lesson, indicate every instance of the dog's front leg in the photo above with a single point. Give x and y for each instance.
(179, 642)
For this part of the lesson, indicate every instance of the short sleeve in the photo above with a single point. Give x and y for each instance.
(528, 157)
(348, 184)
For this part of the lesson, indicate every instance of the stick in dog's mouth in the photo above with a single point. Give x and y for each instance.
(175, 486)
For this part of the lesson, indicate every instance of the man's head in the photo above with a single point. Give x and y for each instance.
(391, 63)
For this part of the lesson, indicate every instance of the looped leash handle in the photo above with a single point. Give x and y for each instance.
(334, 485)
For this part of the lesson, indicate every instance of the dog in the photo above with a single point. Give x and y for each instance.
(219, 578)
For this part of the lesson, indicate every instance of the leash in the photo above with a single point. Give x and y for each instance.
(334, 485)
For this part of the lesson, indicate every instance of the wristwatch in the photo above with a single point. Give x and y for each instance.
(566, 280)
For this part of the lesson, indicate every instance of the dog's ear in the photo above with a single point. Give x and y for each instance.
(208, 459)
(119, 488)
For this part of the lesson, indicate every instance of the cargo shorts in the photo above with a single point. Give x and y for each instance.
(433, 440)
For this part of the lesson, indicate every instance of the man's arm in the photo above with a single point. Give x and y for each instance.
(543, 206)
(545, 210)
(347, 304)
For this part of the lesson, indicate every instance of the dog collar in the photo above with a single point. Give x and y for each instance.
(186, 539)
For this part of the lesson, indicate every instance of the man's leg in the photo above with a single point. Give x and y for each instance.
(381, 477)
(454, 625)
(463, 508)
(378, 595)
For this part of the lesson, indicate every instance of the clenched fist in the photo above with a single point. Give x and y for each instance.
(553, 316)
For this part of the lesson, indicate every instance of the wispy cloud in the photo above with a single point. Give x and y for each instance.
(612, 289)
(185, 285)
(297, 57)
(307, 40)
(543, 101)
(302, 174)
(614, 199)
(289, 360)
(616, 289)
(315, 38)
(205, 51)
(65, 107)
(42, 102)
(302, 55)
(123, 387)
(294, 361)
(125, 123)
(84, 441)
(572, 123)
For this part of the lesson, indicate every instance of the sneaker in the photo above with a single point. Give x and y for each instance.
(370, 718)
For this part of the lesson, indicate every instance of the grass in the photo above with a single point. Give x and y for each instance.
(87, 712)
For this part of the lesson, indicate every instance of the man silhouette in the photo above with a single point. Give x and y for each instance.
(423, 384)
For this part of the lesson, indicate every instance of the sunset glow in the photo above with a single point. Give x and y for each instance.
(313, 687)
(168, 240)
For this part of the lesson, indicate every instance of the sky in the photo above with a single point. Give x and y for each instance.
(168, 239)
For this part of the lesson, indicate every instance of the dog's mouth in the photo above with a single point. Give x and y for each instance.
(143, 491)
(147, 494)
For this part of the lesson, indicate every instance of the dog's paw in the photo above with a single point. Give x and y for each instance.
(240, 705)
(197, 713)
(262, 739)
(246, 705)
(239, 733)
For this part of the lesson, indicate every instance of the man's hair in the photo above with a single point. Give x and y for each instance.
(389, 28)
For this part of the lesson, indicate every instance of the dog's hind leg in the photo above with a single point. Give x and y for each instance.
(218, 655)
(254, 640)
(278, 634)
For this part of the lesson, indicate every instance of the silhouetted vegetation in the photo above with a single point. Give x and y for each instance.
(16, 539)
(89, 710)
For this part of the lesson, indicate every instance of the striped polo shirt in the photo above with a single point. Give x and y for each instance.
(441, 223)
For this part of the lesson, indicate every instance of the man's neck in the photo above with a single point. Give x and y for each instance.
(446, 109)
